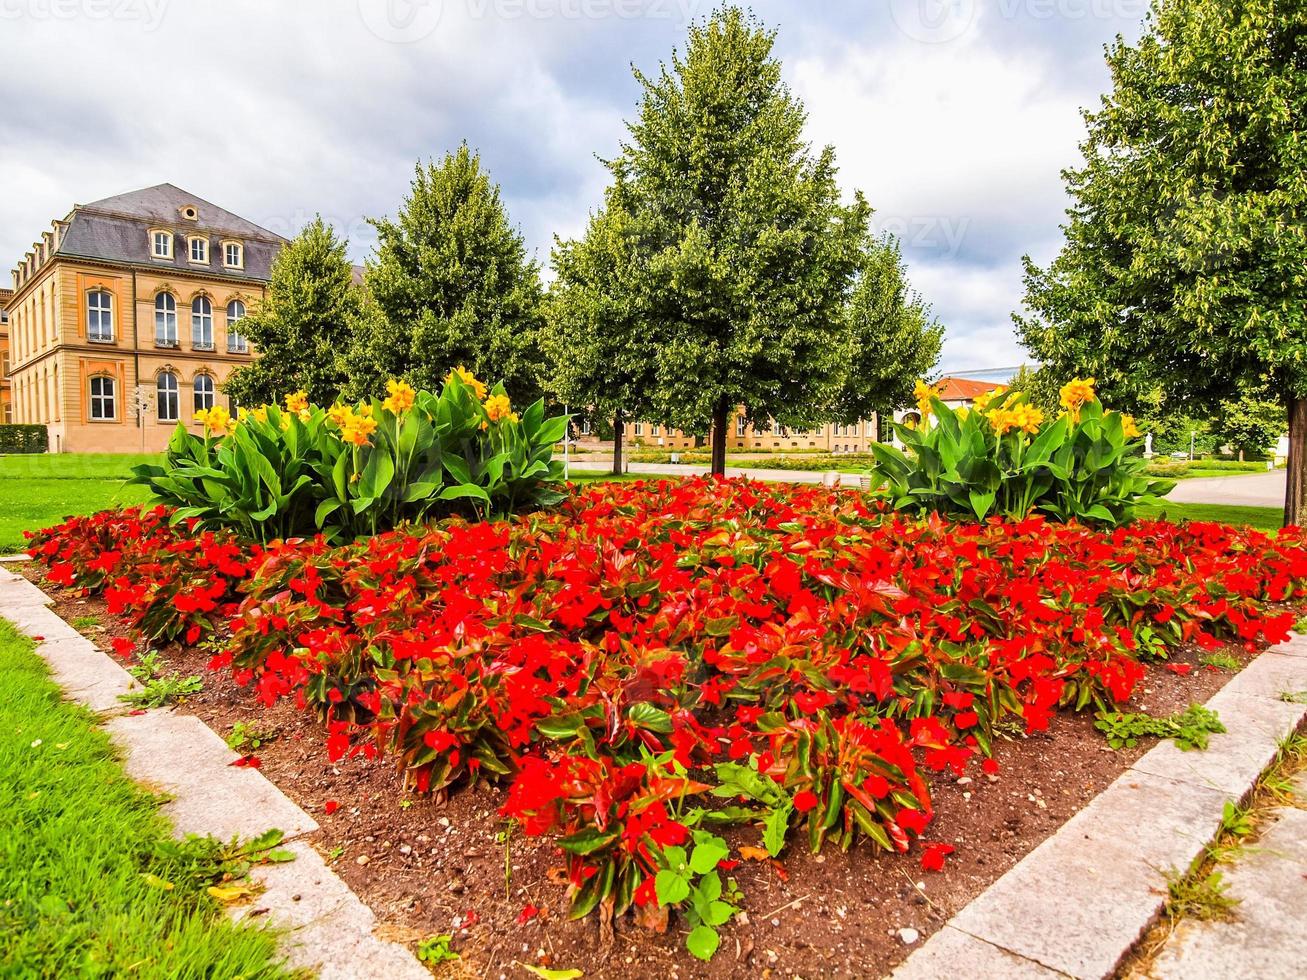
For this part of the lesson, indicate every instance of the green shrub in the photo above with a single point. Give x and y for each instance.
(23, 439)
(358, 469)
(1006, 459)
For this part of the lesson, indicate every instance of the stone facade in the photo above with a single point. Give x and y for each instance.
(123, 318)
(6, 405)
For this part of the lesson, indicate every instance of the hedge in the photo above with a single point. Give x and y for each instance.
(23, 439)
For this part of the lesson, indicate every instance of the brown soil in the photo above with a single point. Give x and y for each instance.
(428, 868)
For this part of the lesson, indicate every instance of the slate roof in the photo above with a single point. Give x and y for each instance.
(116, 229)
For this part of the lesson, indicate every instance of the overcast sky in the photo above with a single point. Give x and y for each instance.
(953, 116)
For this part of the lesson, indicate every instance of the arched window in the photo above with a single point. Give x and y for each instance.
(103, 406)
(165, 320)
(99, 315)
(201, 323)
(203, 392)
(236, 342)
(169, 397)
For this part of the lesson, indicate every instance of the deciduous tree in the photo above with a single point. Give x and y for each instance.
(1185, 260)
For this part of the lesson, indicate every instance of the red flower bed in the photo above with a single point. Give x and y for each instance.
(652, 659)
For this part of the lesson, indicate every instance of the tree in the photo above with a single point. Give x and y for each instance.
(303, 324)
(1040, 388)
(890, 338)
(1186, 242)
(1249, 425)
(451, 286)
(723, 247)
(595, 341)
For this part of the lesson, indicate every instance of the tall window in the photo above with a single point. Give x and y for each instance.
(99, 315)
(739, 425)
(169, 397)
(202, 323)
(236, 342)
(161, 244)
(203, 392)
(165, 320)
(103, 408)
(200, 250)
(233, 256)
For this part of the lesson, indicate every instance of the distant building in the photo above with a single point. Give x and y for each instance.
(6, 405)
(124, 318)
(953, 392)
(743, 437)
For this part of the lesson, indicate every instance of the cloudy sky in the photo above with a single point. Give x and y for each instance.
(953, 116)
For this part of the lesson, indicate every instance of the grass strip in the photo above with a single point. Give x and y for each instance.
(92, 882)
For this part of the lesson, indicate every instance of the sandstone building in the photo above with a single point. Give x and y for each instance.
(125, 317)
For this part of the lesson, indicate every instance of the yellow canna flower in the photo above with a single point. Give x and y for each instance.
(216, 420)
(340, 414)
(468, 379)
(1001, 420)
(401, 397)
(1074, 394)
(260, 414)
(981, 402)
(498, 407)
(297, 402)
(365, 410)
(358, 430)
(923, 393)
(1026, 417)
(1128, 427)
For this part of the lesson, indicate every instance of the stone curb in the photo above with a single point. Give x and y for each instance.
(1076, 905)
(329, 929)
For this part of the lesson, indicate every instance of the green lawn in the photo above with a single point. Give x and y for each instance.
(37, 491)
(93, 883)
(1263, 518)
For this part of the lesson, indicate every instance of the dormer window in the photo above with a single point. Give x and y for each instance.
(199, 250)
(233, 255)
(161, 244)
(190, 212)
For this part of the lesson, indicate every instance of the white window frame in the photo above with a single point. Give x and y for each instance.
(233, 263)
(160, 243)
(201, 323)
(237, 342)
(98, 315)
(198, 250)
(205, 392)
(165, 320)
(740, 426)
(167, 399)
(103, 397)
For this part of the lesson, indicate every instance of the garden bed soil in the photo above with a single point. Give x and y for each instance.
(427, 867)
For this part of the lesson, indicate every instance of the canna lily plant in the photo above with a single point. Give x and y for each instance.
(1002, 456)
(358, 469)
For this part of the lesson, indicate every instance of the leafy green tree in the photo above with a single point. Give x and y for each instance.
(451, 285)
(723, 248)
(1249, 425)
(595, 340)
(890, 338)
(1187, 237)
(303, 325)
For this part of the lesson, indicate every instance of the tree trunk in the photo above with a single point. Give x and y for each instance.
(720, 418)
(618, 430)
(1295, 484)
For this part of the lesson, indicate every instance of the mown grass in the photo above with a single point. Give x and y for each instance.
(86, 858)
(37, 491)
(1262, 518)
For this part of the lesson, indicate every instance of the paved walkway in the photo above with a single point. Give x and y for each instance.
(1242, 490)
(685, 469)
(1265, 935)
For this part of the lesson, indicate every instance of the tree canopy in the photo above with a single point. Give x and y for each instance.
(721, 268)
(304, 323)
(1185, 261)
(450, 286)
